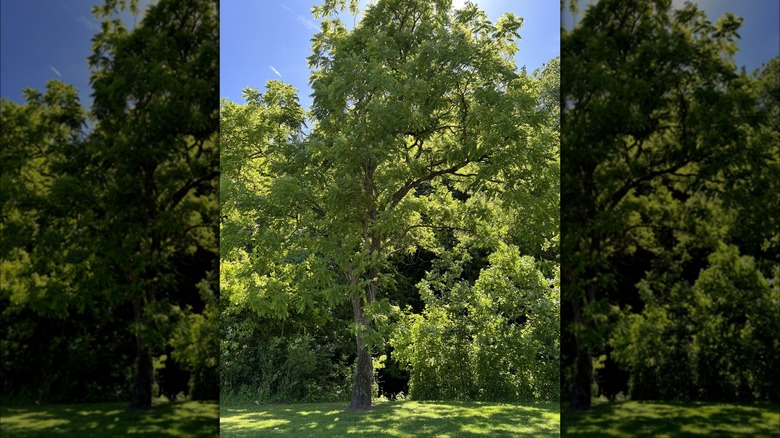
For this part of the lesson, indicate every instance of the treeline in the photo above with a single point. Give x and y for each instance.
(671, 227)
(109, 218)
(402, 237)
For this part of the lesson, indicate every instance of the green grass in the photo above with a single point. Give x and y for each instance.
(401, 419)
(177, 419)
(674, 419)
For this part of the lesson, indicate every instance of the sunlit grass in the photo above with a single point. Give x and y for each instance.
(177, 419)
(674, 419)
(401, 419)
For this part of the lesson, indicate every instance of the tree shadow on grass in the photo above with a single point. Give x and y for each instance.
(176, 419)
(677, 419)
(441, 419)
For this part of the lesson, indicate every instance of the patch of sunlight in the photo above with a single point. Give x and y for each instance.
(364, 429)
(35, 423)
(597, 430)
(729, 429)
(249, 423)
(769, 416)
(23, 418)
(305, 413)
(480, 428)
(87, 413)
(265, 424)
(646, 410)
(196, 407)
(425, 410)
(249, 413)
(312, 425)
(244, 417)
(392, 431)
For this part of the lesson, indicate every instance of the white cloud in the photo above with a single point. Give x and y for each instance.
(308, 23)
(275, 71)
(89, 24)
(285, 7)
(55, 71)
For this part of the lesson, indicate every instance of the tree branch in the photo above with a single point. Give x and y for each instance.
(182, 192)
(623, 191)
(399, 195)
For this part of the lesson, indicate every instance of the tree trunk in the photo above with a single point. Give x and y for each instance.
(364, 367)
(583, 367)
(143, 375)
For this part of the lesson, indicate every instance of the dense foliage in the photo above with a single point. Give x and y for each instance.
(670, 178)
(109, 242)
(495, 338)
(425, 189)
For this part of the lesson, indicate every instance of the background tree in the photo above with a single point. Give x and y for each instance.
(420, 118)
(154, 93)
(656, 122)
(37, 139)
(38, 263)
(133, 205)
(273, 347)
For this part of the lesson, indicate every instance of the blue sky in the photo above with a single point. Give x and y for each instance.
(51, 39)
(760, 29)
(42, 40)
(262, 40)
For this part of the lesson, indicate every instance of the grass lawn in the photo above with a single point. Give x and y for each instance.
(403, 419)
(177, 419)
(674, 419)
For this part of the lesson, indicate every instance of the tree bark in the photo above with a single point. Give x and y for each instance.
(143, 375)
(583, 365)
(364, 367)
